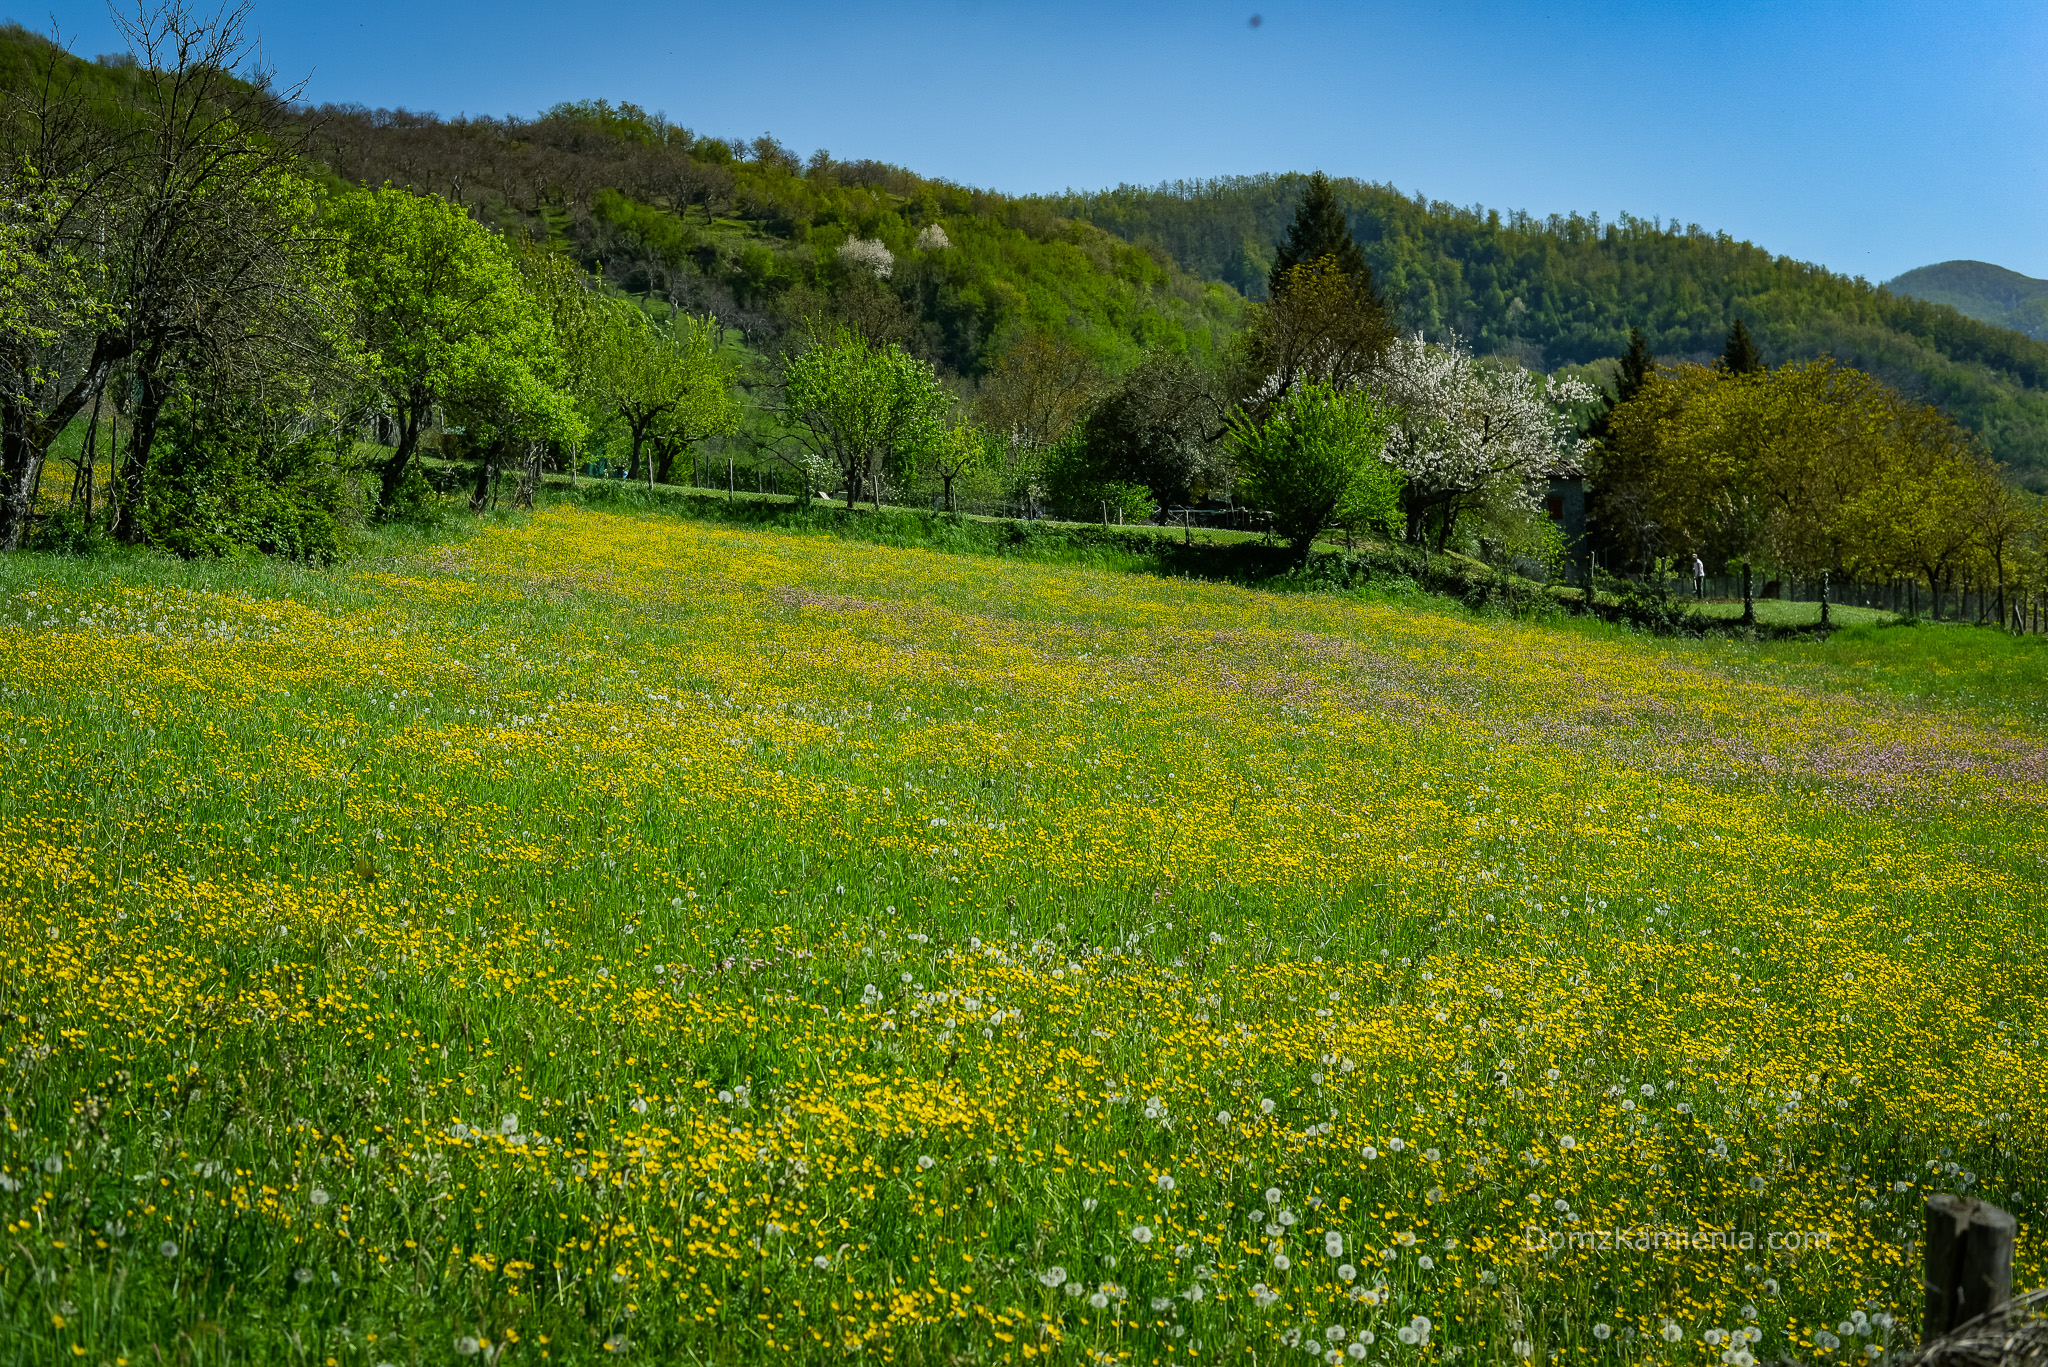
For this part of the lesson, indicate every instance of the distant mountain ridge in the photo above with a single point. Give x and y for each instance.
(1977, 289)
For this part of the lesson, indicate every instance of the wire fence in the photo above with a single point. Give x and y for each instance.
(2023, 611)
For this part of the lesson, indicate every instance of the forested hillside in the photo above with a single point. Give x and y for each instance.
(1567, 289)
(746, 230)
(244, 292)
(1988, 293)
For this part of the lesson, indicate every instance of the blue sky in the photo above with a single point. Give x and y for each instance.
(1869, 137)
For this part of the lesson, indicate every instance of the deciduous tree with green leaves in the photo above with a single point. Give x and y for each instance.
(865, 412)
(49, 318)
(173, 230)
(709, 404)
(1155, 430)
(1810, 468)
(443, 309)
(664, 379)
(960, 450)
(1316, 462)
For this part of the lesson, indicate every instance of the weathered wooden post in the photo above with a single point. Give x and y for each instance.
(1969, 1261)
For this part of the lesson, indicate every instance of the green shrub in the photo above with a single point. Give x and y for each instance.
(220, 482)
(415, 502)
(67, 531)
(1077, 485)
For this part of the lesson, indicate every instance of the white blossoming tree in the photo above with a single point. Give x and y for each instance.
(1473, 434)
(867, 254)
(933, 239)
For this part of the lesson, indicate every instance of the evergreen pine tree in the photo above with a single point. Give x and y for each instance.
(1319, 230)
(1636, 366)
(1740, 356)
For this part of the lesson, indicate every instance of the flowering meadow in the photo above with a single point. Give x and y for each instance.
(609, 939)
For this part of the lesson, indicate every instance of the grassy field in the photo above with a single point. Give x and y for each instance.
(597, 937)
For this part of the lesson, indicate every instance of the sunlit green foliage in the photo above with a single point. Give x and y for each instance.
(444, 310)
(865, 413)
(1315, 462)
(1811, 469)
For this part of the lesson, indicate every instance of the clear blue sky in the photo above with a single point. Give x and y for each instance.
(1871, 137)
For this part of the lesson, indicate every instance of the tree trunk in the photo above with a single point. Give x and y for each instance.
(113, 465)
(1748, 598)
(400, 459)
(35, 487)
(18, 461)
(149, 411)
(529, 473)
(486, 476)
(25, 438)
(88, 467)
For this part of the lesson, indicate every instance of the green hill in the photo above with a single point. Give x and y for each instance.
(1990, 294)
(747, 230)
(1567, 289)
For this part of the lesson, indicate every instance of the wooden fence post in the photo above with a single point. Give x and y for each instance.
(1969, 1261)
